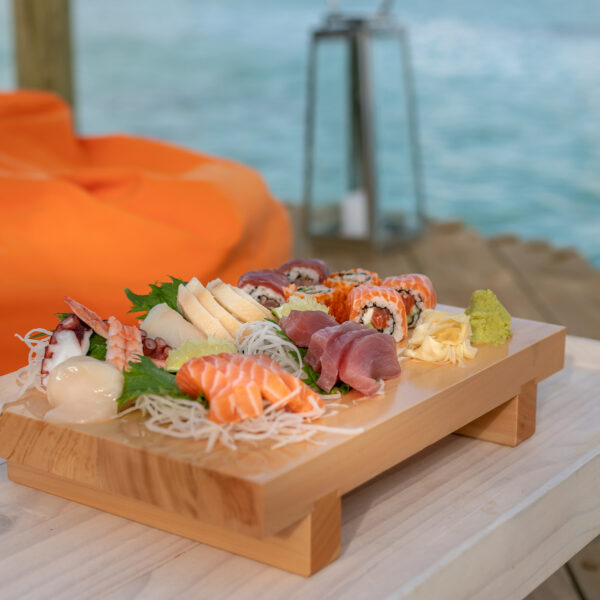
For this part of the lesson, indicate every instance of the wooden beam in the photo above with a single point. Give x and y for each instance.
(43, 46)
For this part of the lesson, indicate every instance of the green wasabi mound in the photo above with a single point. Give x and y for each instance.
(490, 321)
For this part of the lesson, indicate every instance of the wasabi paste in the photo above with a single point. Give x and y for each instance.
(490, 321)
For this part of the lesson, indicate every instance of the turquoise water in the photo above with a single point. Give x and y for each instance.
(509, 97)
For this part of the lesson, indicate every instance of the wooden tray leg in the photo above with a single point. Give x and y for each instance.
(303, 548)
(508, 424)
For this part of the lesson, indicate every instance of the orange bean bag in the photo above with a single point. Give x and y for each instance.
(87, 217)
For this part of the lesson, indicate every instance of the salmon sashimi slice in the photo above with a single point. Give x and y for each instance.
(235, 403)
(304, 399)
(89, 317)
(271, 385)
(231, 395)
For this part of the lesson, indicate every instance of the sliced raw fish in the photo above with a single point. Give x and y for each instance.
(320, 339)
(334, 353)
(368, 359)
(300, 325)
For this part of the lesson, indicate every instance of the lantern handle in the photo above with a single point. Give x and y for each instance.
(385, 8)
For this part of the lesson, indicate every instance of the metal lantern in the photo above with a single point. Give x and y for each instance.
(362, 177)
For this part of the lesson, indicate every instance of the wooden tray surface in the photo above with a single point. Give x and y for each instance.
(258, 491)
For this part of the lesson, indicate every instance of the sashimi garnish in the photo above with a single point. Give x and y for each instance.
(29, 377)
(182, 418)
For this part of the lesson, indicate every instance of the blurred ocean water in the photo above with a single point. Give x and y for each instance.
(508, 97)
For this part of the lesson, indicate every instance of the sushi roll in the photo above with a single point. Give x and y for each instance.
(333, 298)
(379, 307)
(353, 277)
(305, 271)
(343, 282)
(417, 293)
(265, 286)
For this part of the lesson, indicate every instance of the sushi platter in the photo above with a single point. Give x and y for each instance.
(281, 506)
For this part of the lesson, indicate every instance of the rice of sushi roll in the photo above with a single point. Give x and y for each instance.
(379, 307)
(417, 293)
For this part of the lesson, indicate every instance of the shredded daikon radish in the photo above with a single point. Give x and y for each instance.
(188, 419)
(29, 376)
(262, 337)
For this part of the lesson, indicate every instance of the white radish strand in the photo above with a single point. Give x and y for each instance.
(188, 419)
(262, 337)
(29, 376)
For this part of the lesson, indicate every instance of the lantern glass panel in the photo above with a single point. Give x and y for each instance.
(329, 181)
(396, 198)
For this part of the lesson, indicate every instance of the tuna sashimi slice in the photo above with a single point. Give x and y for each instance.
(368, 359)
(300, 325)
(334, 353)
(320, 339)
(266, 277)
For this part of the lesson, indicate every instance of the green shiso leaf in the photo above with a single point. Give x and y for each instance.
(61, 316)
(97, 347)
(145, 377)
(160, 292)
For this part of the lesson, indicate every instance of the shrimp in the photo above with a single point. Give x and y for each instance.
(133, 347)
(89, 317)
(116, 343)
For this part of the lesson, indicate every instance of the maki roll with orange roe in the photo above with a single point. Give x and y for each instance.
(379, 307)
(343, 282)
(417, 293)
(353, 277)
(333, 299)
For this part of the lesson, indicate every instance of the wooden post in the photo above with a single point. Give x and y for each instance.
(510, 423)
(43, 46)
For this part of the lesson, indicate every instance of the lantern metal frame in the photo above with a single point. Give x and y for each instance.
(359, 31)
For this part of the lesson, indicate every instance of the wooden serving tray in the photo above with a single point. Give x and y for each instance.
(283, 506)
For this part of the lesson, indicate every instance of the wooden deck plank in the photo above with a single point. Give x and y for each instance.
(568, 291)
(585, 566)
(557, 587)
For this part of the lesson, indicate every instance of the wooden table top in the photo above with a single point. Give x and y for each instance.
(463, 518)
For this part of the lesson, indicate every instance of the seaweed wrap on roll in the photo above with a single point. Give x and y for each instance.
(265, 286)
(417, 293)
(305, 271)
(379, 307)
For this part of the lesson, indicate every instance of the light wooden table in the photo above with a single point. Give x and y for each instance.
(462, 519)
